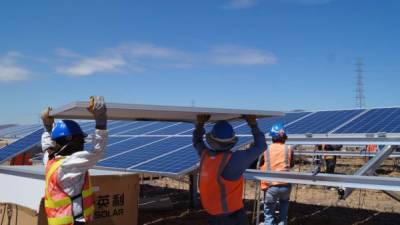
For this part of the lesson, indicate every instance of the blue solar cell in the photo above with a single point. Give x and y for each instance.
(180, 128)
(187, 158)
(322, 122)
(373, 121)
(138, 155)
(148, 128)
(20, 146)
(265, 124)
(18, 131)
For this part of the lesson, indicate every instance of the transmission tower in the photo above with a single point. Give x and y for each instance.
(360, 97)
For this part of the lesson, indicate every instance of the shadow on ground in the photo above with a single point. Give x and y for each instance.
(299, 214)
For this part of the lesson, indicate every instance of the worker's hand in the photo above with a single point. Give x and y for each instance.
(47, 119)
(203, 118)
(250, 119)
(98, 108)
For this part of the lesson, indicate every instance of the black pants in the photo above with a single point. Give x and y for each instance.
(79, 223)
(236, 218)
(330, 165)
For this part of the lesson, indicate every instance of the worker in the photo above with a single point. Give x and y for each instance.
(279, 157)
(330, 160)
(221, 169)
(68, 193)
(371, 149)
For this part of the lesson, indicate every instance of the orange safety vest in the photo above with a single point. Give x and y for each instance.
(218, 195)
(371, 148)
(277, 158)
(58, 204)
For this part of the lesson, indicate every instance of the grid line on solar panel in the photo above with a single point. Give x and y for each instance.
(139, 125)
(19, 131)
(160, 156)
(174, 130)
(186, 156)
(265, 124)
(153, 127)
(322, 122)
(121, 126)
(20, 145)
(145, 152)
(188, 160)
(374, 121)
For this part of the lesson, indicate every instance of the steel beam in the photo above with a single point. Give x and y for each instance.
(341, 153)
(370, 167)
(343, 181)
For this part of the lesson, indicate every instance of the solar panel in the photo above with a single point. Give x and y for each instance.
(20, 146)
(265, 124)
(166, 147)
(374, 121)
(322, 122)
(18, 131)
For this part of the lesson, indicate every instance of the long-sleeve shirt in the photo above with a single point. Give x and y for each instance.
(240, 160)
(73, 169)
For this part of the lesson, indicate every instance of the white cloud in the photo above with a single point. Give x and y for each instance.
(238, 56)
(139, 57)
(10, 70)
(132, 57)
(241, 4)
(147, 50)
(66, 53)
(89, 66)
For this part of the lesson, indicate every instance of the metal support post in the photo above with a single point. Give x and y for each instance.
(369, 168)
(193, 179)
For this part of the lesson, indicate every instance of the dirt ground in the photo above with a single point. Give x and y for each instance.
(310, 205)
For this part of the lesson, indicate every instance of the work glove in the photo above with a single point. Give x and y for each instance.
(98, 108)
(202, 119)
(251, 120)
(47, 119)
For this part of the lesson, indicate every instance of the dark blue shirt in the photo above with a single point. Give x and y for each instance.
(241, 159)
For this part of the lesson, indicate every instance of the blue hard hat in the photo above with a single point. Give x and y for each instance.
(222, 136)
(66, 128)
(222, 131)
(277, 130)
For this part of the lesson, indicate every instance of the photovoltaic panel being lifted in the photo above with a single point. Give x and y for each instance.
(117, 111)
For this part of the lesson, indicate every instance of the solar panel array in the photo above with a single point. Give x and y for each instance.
(18, 131)
(166, 147)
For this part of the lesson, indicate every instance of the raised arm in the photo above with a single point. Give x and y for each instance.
(80, 162)
(48, 145)
(241, 160)
(198, 133)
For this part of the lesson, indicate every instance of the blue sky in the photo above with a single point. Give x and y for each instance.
(252, 54)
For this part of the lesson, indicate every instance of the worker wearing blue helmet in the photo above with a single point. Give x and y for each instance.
(68, 193)
(221, 169)
(278, 158)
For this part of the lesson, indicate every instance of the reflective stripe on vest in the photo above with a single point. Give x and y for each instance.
(58, 204)
(218, 195)
(277, 161)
